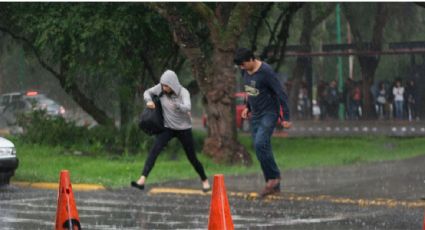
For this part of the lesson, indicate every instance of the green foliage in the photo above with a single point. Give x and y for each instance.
(43, 162)
(198, 139)
(95, 47)
(42, 129)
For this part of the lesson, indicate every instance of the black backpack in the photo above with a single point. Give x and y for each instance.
(151, 120)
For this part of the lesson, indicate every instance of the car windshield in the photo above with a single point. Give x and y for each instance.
(9, 98)
(46, 102)
(16, 98)
(43, 103)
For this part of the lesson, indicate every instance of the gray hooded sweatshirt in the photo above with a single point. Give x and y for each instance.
(176, 107)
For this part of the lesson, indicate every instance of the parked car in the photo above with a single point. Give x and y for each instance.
(28, 102)
(42, 102)
(242, 124)
(7, 98)
(8, 160)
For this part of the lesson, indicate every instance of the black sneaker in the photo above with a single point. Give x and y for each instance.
(136, 185)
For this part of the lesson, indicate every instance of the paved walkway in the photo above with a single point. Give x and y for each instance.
(347, 128)
(374, 196)
(397, 179)
(355, 128)
(381, 195)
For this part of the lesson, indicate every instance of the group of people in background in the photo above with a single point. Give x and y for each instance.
(399, 101)
(392, 100)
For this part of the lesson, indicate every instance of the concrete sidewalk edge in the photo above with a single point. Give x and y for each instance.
(55, 186)
(362, 202)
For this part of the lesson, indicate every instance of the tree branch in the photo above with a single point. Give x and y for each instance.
(35, 51)
(379, 26)
(237, 21)
(277, 43)
(209, 18)
(257, 26)
(72, 89)
(323, 15)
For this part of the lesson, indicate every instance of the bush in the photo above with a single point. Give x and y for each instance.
(198, 139)
(43, 129)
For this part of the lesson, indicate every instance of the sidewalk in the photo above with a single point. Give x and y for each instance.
(55, 186)
(346, 128)
(397, 179)
(355, 128)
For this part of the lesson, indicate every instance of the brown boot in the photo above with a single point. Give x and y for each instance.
(272, 187)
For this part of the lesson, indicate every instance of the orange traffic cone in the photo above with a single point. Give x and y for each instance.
(66, 212)
(220, 217)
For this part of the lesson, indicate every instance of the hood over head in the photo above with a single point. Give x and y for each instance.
(170, 78)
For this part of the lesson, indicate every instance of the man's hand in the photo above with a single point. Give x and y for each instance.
(150, 105)
(244, 113)
(286, 124)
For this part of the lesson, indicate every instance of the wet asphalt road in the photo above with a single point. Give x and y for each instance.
(386, 195)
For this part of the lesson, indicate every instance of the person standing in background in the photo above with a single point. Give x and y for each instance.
(411, 98)
(332, 100)
(381, 100)
(398, 92)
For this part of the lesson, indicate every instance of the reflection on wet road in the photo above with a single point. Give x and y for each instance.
(381, 195)
(177, 208)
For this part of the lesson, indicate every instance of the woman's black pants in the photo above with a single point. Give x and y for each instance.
(186, 139)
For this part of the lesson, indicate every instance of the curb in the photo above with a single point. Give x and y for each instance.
(55, 186)
(283, 196)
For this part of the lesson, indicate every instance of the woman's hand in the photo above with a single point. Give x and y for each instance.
(150, 105)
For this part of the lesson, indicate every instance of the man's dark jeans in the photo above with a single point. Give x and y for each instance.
(262, 130)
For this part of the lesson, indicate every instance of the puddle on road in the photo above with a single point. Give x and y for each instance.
(244, 222)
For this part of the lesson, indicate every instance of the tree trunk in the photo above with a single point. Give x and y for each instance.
(368, 65)
(214, 73)
(219, 84)
(222, 143)
(303, 63)
(86, 103)
(297, 73)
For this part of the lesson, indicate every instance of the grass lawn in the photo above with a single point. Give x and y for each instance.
(44, 163)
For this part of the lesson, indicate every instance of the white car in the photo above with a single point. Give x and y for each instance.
(8, 160)
(7, 98)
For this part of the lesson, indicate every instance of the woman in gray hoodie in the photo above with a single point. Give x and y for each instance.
(176, 106)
